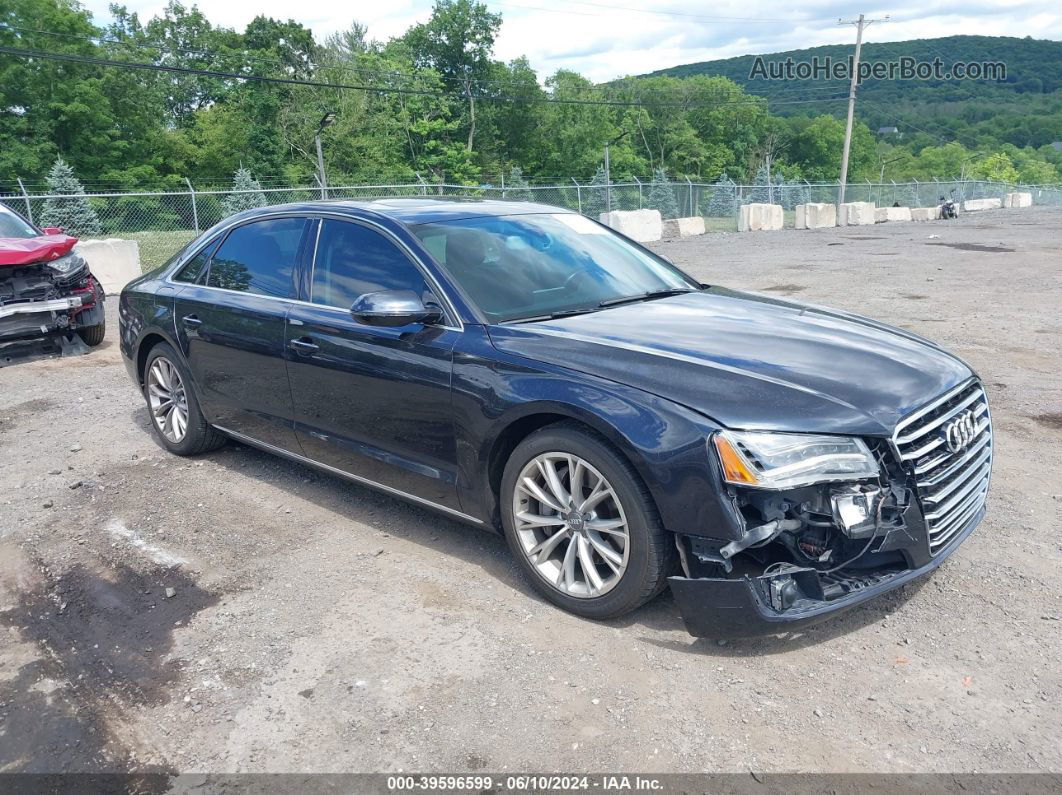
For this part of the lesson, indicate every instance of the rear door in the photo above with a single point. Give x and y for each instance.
(370, 401)
(230, 320)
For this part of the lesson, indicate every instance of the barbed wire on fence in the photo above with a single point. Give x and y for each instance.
(164, 221)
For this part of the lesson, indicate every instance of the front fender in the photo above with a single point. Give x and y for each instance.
(666, 443)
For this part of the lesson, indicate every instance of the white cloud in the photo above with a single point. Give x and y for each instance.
(603, 43)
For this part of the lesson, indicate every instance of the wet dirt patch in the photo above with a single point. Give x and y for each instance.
(101, 643)
(914, 297)
(1050, 420)
(788, 289)
(9, 417)
(975, 247)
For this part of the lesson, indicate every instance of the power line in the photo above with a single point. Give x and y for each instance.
(682, 14)
(90, 60)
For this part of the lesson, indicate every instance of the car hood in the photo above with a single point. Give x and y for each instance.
(750, 361)
(30, 250)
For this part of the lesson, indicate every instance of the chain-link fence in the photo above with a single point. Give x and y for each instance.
(163, 222)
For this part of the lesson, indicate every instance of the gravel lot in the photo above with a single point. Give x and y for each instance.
(240, 613)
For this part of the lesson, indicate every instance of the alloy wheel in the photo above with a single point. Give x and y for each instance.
(571, 525)
(167, 399)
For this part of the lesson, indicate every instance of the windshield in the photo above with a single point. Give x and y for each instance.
(12, 225)
(522, 267)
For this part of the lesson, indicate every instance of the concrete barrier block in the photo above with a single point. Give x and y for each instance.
(925, 213)
(882, 214)
(977, 205)
(856, 214)
(688, 227)
(114, 262)
(816, 216)
(757, 217)
(645, 226)
(1015, 200)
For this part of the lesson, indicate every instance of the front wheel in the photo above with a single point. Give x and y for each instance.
(93, 335)
(582, 525)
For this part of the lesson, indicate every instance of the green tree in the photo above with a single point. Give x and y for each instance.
(74, 215)
(762, 189)
(997, 168)
(249, 195)
(457, 42)
(516, 187)
(595, 201)
(662, 195)
(816, 145)
(723, 203)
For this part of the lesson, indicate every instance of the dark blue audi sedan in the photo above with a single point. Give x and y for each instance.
(524, 368)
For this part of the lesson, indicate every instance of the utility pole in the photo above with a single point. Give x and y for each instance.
(608, 182)
(860, 24)
(326, 120)
(608, 173)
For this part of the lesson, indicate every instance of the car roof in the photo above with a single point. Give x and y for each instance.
(421, 210)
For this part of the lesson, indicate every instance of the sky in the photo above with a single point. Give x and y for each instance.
(604, 39)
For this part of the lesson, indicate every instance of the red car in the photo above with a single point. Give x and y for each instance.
(49, 301)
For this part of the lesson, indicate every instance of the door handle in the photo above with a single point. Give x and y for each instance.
(303, 345)
(191, 321)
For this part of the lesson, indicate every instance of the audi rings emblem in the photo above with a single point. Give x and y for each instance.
(960, 431)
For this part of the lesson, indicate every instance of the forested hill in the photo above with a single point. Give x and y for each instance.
(1025, 109)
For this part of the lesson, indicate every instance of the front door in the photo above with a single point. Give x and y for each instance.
(231, 326)
(373, 402)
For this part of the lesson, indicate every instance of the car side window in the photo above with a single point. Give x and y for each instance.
(353, 260)
(194, 269)
(259, 258)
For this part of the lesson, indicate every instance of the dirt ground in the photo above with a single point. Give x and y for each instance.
(236, 612)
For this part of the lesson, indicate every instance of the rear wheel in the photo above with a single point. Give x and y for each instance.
(176, 418)
(582, 525)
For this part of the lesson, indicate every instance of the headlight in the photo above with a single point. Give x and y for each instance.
(790, 460)
(66, 265)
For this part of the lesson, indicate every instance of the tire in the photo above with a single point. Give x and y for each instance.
(93, 335)
(648, 551)
(197, 435)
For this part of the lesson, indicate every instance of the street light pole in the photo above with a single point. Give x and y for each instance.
(326, 120)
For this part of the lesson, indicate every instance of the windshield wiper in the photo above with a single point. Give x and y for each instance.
(649, 296)
(554, 315)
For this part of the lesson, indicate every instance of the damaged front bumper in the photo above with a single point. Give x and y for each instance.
(747, 606)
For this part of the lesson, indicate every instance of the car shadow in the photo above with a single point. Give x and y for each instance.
(488, 550)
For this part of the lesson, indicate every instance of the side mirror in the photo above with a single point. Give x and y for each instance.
(52, 230)
(393, 309)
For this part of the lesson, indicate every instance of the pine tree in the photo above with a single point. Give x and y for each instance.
(723, 203)
(516, 187)
(761, 189)
(911, 197)
(251, 194)
(662, 196)
(75, 215)
(594, 201)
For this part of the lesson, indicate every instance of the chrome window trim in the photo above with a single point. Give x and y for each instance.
(339, 472)
(429, 278)
(448, 306)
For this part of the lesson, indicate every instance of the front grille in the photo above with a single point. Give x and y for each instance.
(952, 486)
